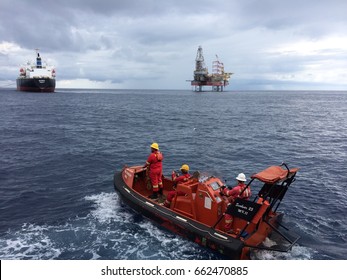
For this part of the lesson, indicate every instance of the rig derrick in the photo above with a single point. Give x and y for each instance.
(217, 80)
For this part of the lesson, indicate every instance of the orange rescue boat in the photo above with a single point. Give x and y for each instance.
(198, 215)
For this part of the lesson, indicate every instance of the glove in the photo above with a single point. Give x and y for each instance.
(173, 175)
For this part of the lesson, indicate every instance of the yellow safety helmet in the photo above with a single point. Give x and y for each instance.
(185, 167)
(155, 146)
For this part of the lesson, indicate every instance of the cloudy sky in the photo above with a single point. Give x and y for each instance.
(267, 44)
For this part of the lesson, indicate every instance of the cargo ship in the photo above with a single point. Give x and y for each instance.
(36, 77)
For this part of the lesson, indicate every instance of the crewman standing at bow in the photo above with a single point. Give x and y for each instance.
(155, 165)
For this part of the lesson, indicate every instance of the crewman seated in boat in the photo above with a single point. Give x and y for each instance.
(241, 190)
(154, 165)
(177, 178)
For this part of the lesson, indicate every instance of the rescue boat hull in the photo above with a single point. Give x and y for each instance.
(179, 224)
(199, 210)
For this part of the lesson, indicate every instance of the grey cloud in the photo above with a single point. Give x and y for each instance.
(304, 16)
(116, 40)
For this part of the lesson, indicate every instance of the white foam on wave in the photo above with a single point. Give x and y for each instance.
(107, 208)
(79, 237)
(110, 231)
(168, 245)
(31, 242)
(269, 243)
(296, 253)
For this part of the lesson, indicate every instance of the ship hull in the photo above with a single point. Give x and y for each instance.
(36, 84)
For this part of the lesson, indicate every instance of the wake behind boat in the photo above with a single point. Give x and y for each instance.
(36, 77)
(199, 214)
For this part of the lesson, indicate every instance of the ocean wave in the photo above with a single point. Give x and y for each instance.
(59, 153)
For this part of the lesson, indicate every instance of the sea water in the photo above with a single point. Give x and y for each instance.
(58, 154)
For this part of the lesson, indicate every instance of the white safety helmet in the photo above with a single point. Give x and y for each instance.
(241, 177)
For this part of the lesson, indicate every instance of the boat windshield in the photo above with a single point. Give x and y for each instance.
(215, 186)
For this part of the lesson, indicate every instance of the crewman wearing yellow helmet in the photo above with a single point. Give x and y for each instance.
(155, 165)
(185, 174)
(176, 178)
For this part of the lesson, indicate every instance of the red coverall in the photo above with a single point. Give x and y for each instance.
(232, 195)
(171, 194)
(235, 192)
(155, 164)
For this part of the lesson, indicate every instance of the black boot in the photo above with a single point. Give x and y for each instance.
(154, 195)
(161, 196)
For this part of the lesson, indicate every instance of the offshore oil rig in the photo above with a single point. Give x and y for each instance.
(217, 80)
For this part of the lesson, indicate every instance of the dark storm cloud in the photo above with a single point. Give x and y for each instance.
(25, 24)
(143, 8)
(57, 24)
(49, 24)
(25, 19)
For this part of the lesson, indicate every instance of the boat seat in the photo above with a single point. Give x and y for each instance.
(189, 187)
(185, 204)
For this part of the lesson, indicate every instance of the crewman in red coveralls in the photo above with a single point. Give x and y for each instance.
(238, 191)
(177, 179)
(155, 165)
